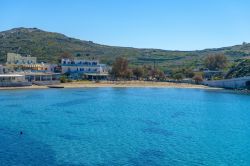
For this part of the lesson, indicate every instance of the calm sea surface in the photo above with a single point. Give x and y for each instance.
(124, 126)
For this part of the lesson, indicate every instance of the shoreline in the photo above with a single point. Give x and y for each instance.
(119, 84)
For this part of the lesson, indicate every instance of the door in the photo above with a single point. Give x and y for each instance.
(248, 85)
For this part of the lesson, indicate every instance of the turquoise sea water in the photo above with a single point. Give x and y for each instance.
(124, 126)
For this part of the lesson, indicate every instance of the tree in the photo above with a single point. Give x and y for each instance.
(138, 72)
(147, 71)
(178, 76)
(188, 73)
(161, 75)
(120, 68)
(65, 55)
(182, 73)
(129, 74)
(63, 80)
(215, 62)
(198, 79)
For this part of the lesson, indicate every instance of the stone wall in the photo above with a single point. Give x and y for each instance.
(14, 84)
(41, 83)
(235, 83)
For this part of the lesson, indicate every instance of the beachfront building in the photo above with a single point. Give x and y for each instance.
(82, 68)
(13, 80)
(29, 78)
(23, 71)
(17, 59)
(43, 78)
(6, 69)
(28, 63)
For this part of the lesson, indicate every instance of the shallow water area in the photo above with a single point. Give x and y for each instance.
(124, 126)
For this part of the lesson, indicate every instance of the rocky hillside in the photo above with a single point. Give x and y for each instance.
(240, 70)
(48, 47)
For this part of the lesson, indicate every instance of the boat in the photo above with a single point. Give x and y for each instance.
(55, 86)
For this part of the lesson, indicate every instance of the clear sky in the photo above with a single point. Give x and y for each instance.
(166, 24)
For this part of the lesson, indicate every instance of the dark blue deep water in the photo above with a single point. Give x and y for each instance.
(124, 126)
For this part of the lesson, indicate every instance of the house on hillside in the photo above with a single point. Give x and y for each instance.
(211, 74)
(82, 68)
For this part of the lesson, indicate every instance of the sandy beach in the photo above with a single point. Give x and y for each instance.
(120, 84)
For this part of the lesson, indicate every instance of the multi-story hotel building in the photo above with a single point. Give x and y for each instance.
(90, 68)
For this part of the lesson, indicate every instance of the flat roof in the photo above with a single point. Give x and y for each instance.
(11, 75)
(96, 74)
(42, 74)
(83, 65)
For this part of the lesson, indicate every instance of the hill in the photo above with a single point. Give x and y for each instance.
(241, 70)
(49, 46)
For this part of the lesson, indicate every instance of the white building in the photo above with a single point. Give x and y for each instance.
(6, 69)
(17, 59)
(89, 68)
(28, 63)
(43, 78)
(82, 66)
(13, 80)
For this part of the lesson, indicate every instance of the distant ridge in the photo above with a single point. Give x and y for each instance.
(49, 46)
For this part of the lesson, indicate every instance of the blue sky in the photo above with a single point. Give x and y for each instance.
(165, 24)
